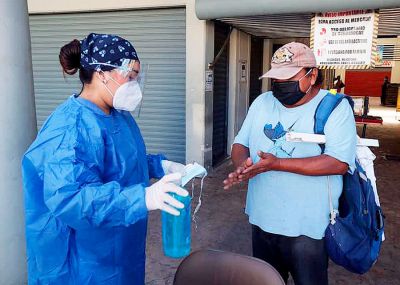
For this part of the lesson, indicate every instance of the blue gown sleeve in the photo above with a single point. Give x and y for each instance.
(154, 163)
(75, 193)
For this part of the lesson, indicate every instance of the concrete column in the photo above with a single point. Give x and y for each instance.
(233, 86)
(18, 129)
(197, 57)
(395, 76)
(243, 84)
(239, 52)
(267, 55)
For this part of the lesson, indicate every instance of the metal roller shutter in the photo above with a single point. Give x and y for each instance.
(389, 22)
(159, 38)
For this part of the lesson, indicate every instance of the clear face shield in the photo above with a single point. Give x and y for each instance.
(140, 77)
(130, 69)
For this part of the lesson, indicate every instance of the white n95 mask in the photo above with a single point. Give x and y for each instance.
(128, 96)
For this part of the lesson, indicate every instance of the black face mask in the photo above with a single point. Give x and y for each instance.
(288, 92)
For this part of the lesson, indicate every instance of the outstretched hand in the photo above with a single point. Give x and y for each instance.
(248, 169)
(266, 163)
(233, 177)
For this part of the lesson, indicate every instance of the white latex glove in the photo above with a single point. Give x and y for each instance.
(172, 167)
(157, 197)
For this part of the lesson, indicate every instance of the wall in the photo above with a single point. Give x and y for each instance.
(239, 50)
(197, 47)
(395, 75)
(199, 52)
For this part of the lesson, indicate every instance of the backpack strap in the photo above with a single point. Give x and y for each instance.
(322, 113)
(324, 110)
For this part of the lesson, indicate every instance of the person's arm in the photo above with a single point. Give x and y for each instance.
(239, 154)
(241, 160)
(311, 166)
(155, 166)
(75, 193)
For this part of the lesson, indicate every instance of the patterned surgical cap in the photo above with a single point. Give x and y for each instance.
(105, 52)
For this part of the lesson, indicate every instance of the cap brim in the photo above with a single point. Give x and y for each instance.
(282, 73)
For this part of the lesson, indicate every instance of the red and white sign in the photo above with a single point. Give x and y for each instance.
(344, 39)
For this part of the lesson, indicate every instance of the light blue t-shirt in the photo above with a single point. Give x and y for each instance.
(286, 203)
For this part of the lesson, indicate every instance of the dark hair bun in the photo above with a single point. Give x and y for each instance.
(70, 56)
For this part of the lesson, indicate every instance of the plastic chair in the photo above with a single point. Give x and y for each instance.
(212, 267)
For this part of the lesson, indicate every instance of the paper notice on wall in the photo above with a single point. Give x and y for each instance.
(209, 80)
(345, 39)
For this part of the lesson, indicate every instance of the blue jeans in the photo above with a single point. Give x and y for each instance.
(303, 257)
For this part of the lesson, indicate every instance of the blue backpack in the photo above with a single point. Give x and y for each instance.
(353, 238)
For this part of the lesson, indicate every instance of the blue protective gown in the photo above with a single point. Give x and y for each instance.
(84, 182)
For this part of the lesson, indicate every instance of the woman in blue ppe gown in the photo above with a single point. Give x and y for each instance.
(86, 176)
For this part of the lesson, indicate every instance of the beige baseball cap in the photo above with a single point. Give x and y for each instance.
(288, 60)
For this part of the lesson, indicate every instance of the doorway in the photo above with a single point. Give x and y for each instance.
(256, 67)
(220, 98)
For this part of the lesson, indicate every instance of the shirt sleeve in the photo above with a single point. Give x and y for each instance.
(244, 134)
(341, 135)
